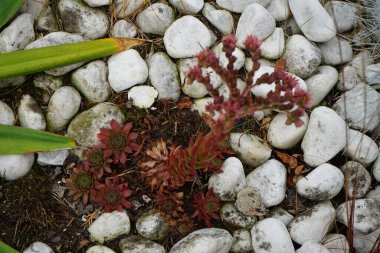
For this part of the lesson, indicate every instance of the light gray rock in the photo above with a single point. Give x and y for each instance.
(13, 167)
(321, 83)
(357, 179)
(372, 73)
(315, 23)
(97, 3)
(291, 26)
(363, 59)
(242, 242)
(271, 236)
(85, 126)
(163, 76)
(127, 8)
(124, 29)
(374, 194)
(155, 19)
(38, 247)
(348, 78)
(138, 244)
(7, 117)
(188, 6)
(109, 226)
(376, 168)
(281, 214)
(126, 69)
(324, 182)
(91, 81)
(255, 20)
(56, 157)
(249, 202)
(302, 57)
(364, 243)
(336, 243)
(47, 82)
(336, 51)
(270, 180)
(142, 96)
(231, 215)
(207, 240)
(359, 107)
(12, 81)
(18, 34)
(54, 39)
(225, 91)
(196, 89)
(226, 185)
(62, 107)
(312, 247)
(312, 224)
(221, 19)
(361, 147)
(30, 113)
(186, 37)
(223, 60)
(366, 216)
(239, 5)
(283, 136)
(273, 47)
(99, 249)
(344, 13)
(252, 150)
(79, 18)
(279, 9)
(34, 7)
(47, 21)
(152, 226)
(325, 136)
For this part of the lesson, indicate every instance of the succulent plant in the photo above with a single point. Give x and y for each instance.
(184, 226)
(117, 142)
(80, 183)
(206, 206)
(95, 160)
(170, 205)
(113, 195)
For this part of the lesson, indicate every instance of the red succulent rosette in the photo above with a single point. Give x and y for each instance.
(206, 206)
(94, 159)
(80, 183)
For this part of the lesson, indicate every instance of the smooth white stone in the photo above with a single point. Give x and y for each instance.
(34, 7)
(200, 104)
(7, 117)
(30, 113)
(325, 136)
(366, 216)
(281, 214)
(155, 19)
(138, 244)
(321, 83)
(63, 106)
(78, 18)
(359, 107)
(255, 20)
(47, 82)
(163, 75)
(226, 185)
(18, 34)
(314, 21)
(361, 61)
(231, 215)
(302, 57)
(283, 136)
(239, 5)
(12, 81)
(361, 147)
(91, 81)
(143, 96)
(252, 149)
(97, 3)
(127, 8)
(336, 51)
(188, 6)
(248, 202)
(271, 236)
(109, 226)
(324, 182)
(186, 37)
(364, 243)
(270, 180)
(313, 224)
(38, 247)
(357, 179)
(56, 157)
(273, 47)
(344, 13)
(372, 73)
(312, 247)
(126, 69)
(242, 242)
(47, 21)
(279, 9)
(99, 249)
(55, 39)
(223, 60)
(374, 194)
(221, 19)
(376, 168)
(123, 29)
(348, 78)
(13, 167)
(225, 91)
(336, 243)
(207, 240)
(152, 226)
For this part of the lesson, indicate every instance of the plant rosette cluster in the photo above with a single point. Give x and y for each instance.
(93, 180)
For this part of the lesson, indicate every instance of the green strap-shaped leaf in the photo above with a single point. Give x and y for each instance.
(4, 248)
(8, 8)
(31, 61)
(19, 140)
